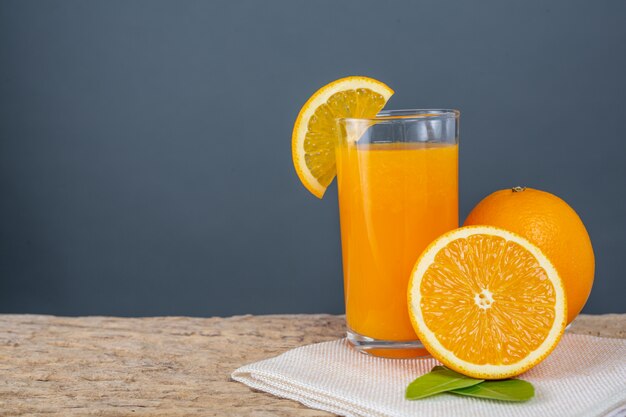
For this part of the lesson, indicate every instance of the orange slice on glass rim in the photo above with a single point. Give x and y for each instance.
(314, 135)
(486, 302)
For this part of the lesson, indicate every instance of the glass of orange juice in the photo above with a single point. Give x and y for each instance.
(397, 177)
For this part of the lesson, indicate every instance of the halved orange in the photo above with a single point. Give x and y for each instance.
(314, 135)
(486, 302)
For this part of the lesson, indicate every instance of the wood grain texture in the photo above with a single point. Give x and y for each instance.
(167, 366)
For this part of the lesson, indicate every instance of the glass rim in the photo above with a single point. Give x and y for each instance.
(404, 115)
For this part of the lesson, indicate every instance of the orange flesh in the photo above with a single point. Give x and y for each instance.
(394, 199)
(319, 143)
(500, 326)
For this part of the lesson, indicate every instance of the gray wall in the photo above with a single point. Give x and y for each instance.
(145, 164)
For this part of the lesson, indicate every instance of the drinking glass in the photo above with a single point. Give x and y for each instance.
(397, 177)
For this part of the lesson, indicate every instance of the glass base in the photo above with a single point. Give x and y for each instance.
(387, 348)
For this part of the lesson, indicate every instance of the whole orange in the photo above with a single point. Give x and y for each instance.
(550, 223)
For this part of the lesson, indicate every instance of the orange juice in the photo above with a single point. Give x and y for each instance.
(394, 199)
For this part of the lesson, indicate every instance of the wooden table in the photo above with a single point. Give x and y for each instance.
(165, 366)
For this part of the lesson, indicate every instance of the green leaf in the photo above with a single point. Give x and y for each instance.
(505, 390)
(440, 379)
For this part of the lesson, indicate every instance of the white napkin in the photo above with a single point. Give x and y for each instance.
(585, 376)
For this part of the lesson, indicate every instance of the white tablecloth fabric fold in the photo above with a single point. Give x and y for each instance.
(584, 377)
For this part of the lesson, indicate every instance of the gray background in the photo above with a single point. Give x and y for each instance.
(145, 164)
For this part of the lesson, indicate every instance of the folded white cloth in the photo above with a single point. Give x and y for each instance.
(585, 376)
